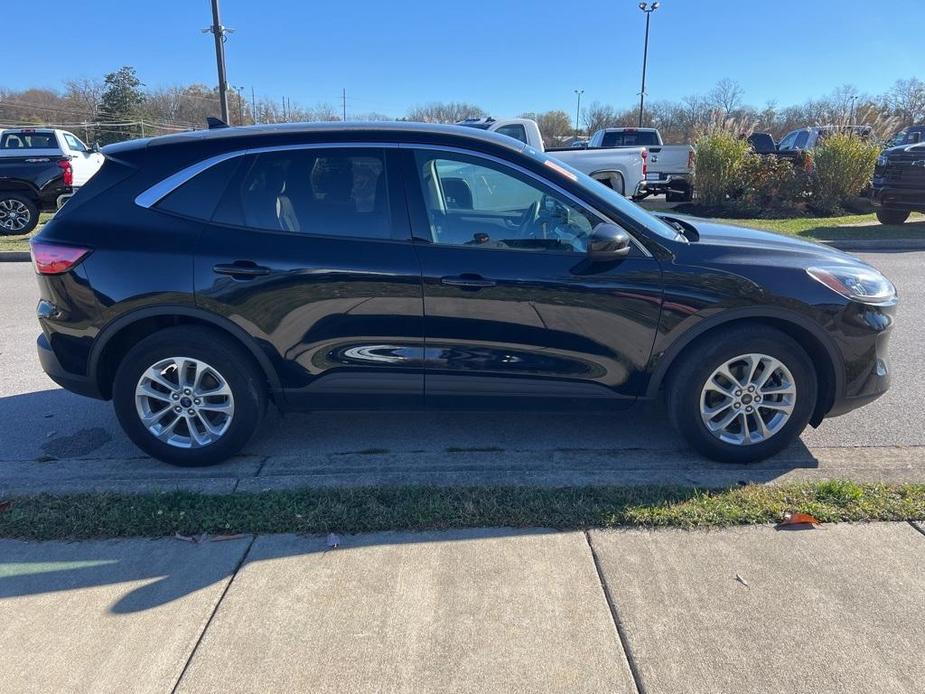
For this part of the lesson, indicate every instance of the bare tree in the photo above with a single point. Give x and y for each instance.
(449, 112)
(906, 100)
(727, 95)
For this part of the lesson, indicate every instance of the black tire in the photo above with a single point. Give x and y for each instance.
(31, 209)
(888, 216)
(218, 351)
(696, 365)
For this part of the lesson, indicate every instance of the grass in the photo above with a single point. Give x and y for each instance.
(835, 228)
(322, 510)
(21, 243)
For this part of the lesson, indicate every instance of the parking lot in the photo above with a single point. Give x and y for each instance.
(55, 441)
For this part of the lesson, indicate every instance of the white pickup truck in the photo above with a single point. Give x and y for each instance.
(670, 167)
(40, 168)
(623, 170)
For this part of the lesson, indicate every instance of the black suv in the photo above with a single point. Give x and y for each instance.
(898, 187)
(199, 276)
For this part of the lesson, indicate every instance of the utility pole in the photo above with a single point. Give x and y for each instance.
(579, 92)
(254, 104)
(344, 97)
(644, 6)
(220, 32)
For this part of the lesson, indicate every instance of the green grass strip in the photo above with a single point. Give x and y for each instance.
(321, 510)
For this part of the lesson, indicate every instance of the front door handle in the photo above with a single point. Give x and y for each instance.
(467, 281)
(241, 269)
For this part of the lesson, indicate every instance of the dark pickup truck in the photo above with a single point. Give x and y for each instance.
(898, 187)
(40, 168)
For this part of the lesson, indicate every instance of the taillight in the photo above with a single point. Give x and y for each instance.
(52, 259)
(645, 162)
(65, 166)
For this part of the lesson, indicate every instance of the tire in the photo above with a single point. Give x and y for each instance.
(225, 367)
(18, 214)
(888, 216)
(688, 392)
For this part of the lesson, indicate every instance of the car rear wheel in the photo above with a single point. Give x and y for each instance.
(188, 396)
(18, 214)
(887, 216)
(743, 395)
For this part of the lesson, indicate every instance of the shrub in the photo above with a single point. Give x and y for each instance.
(720, 161)
(842, 165)
(772, 185)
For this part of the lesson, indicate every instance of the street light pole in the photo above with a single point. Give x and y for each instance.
(579, 92)
(219, 32)
(645, 7)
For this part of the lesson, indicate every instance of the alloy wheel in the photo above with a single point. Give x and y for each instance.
(748, 399)
(184, 402)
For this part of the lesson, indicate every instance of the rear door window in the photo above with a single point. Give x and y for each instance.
(323, 192)
(515, 130)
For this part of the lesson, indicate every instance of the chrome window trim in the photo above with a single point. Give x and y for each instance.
(536, 177)
(163, 188)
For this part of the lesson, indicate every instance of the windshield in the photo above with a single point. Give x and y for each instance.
(905, 137)
(612, 197)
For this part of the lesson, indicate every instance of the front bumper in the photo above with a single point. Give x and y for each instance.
(897, 198)
(76, 383)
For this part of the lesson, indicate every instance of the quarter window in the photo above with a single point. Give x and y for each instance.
(476, 203)
(199, 196)
(327, 192)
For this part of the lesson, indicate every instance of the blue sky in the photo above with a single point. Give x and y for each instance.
(508, 56)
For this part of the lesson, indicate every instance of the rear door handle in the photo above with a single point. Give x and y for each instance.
(242, 269)
(468, 281)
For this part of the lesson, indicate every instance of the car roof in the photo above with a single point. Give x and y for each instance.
(357, 130)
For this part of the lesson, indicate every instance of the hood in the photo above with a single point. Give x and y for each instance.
(752, 244)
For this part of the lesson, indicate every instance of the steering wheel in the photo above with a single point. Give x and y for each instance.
(530, 218)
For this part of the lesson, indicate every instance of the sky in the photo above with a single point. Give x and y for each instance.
(507, 56)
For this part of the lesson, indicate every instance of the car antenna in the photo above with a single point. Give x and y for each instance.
(215, 123)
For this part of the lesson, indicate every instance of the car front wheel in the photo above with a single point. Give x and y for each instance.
(743, 395)
(188, 396)
(888, 216)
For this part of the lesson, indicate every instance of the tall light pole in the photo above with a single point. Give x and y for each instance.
(579, 92)
(852, 109)
(220, 32)
(648, 9)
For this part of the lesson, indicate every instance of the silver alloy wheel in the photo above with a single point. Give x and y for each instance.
(14, 215)
(748, 399)
(184, 402)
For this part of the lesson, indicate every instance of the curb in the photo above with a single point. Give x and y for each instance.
(15, 257)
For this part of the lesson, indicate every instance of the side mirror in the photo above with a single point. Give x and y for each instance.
(95, 148)
(608, 242)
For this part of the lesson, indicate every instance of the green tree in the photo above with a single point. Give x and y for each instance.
(121, 103)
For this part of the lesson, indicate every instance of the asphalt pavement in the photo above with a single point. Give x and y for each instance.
(55, 441)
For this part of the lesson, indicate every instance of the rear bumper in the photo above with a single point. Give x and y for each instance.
(76, 383)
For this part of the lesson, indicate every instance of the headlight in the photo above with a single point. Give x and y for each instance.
(862, 284)
(882, 160)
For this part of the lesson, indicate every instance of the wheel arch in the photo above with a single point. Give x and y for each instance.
(606, 177)
(826, 357)
(121, 334)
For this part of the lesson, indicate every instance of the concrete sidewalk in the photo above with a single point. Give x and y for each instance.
(836, 609)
